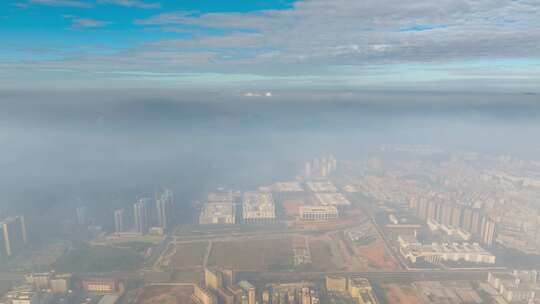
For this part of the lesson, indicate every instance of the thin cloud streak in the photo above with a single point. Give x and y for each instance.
(89, 4)
(61, 3)
(78, 22)
(132, 3)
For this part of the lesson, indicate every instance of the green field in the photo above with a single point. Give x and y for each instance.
(268, 254)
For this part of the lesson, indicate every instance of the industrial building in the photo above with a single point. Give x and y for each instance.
(57, 283)
(287, 187)
(322, 186)
(218, 213)
(221, 196)
(101, 286)
(336, 284)
(218, 209)
(23, 297)
(258, 207)
(434, 253)
(332, 199)
(318, 213)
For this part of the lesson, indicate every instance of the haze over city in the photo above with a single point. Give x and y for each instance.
(271, 152)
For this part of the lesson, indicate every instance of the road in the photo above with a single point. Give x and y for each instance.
(387, 244)
(409, 276)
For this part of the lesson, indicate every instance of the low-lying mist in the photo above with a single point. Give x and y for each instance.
(106, 149)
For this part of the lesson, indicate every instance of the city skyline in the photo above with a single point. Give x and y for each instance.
(269, 151)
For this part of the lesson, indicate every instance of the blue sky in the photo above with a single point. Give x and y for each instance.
(272, 44)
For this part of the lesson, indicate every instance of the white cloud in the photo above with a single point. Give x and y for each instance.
(91, 3)
(78, 22)
(67, 3)
(257, 94)
(132, 3)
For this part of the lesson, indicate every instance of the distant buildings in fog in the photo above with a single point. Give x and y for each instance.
(13, 236)
(164, 208)
(258, 207)
(143, 217)
(471, 220)
(140, 216)
(219, 209)
(54, 288)
(320, 168)
(82, 215)
(119, 221)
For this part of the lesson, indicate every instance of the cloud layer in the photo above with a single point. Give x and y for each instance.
(322, 38)
(359, 32)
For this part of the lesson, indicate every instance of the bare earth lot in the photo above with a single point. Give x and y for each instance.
(189, 255)
(166, 295)
(401, 294)
(256, 255)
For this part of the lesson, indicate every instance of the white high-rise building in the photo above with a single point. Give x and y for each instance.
(316, 164)
(82, 215)
(307, 169)
(12, 235)
(119, 220)
(140, 216)
(164, 206)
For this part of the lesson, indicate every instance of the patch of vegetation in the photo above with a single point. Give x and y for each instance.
(98, 259)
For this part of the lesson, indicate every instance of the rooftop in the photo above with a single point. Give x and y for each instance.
(333, 199)
(322, 186)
